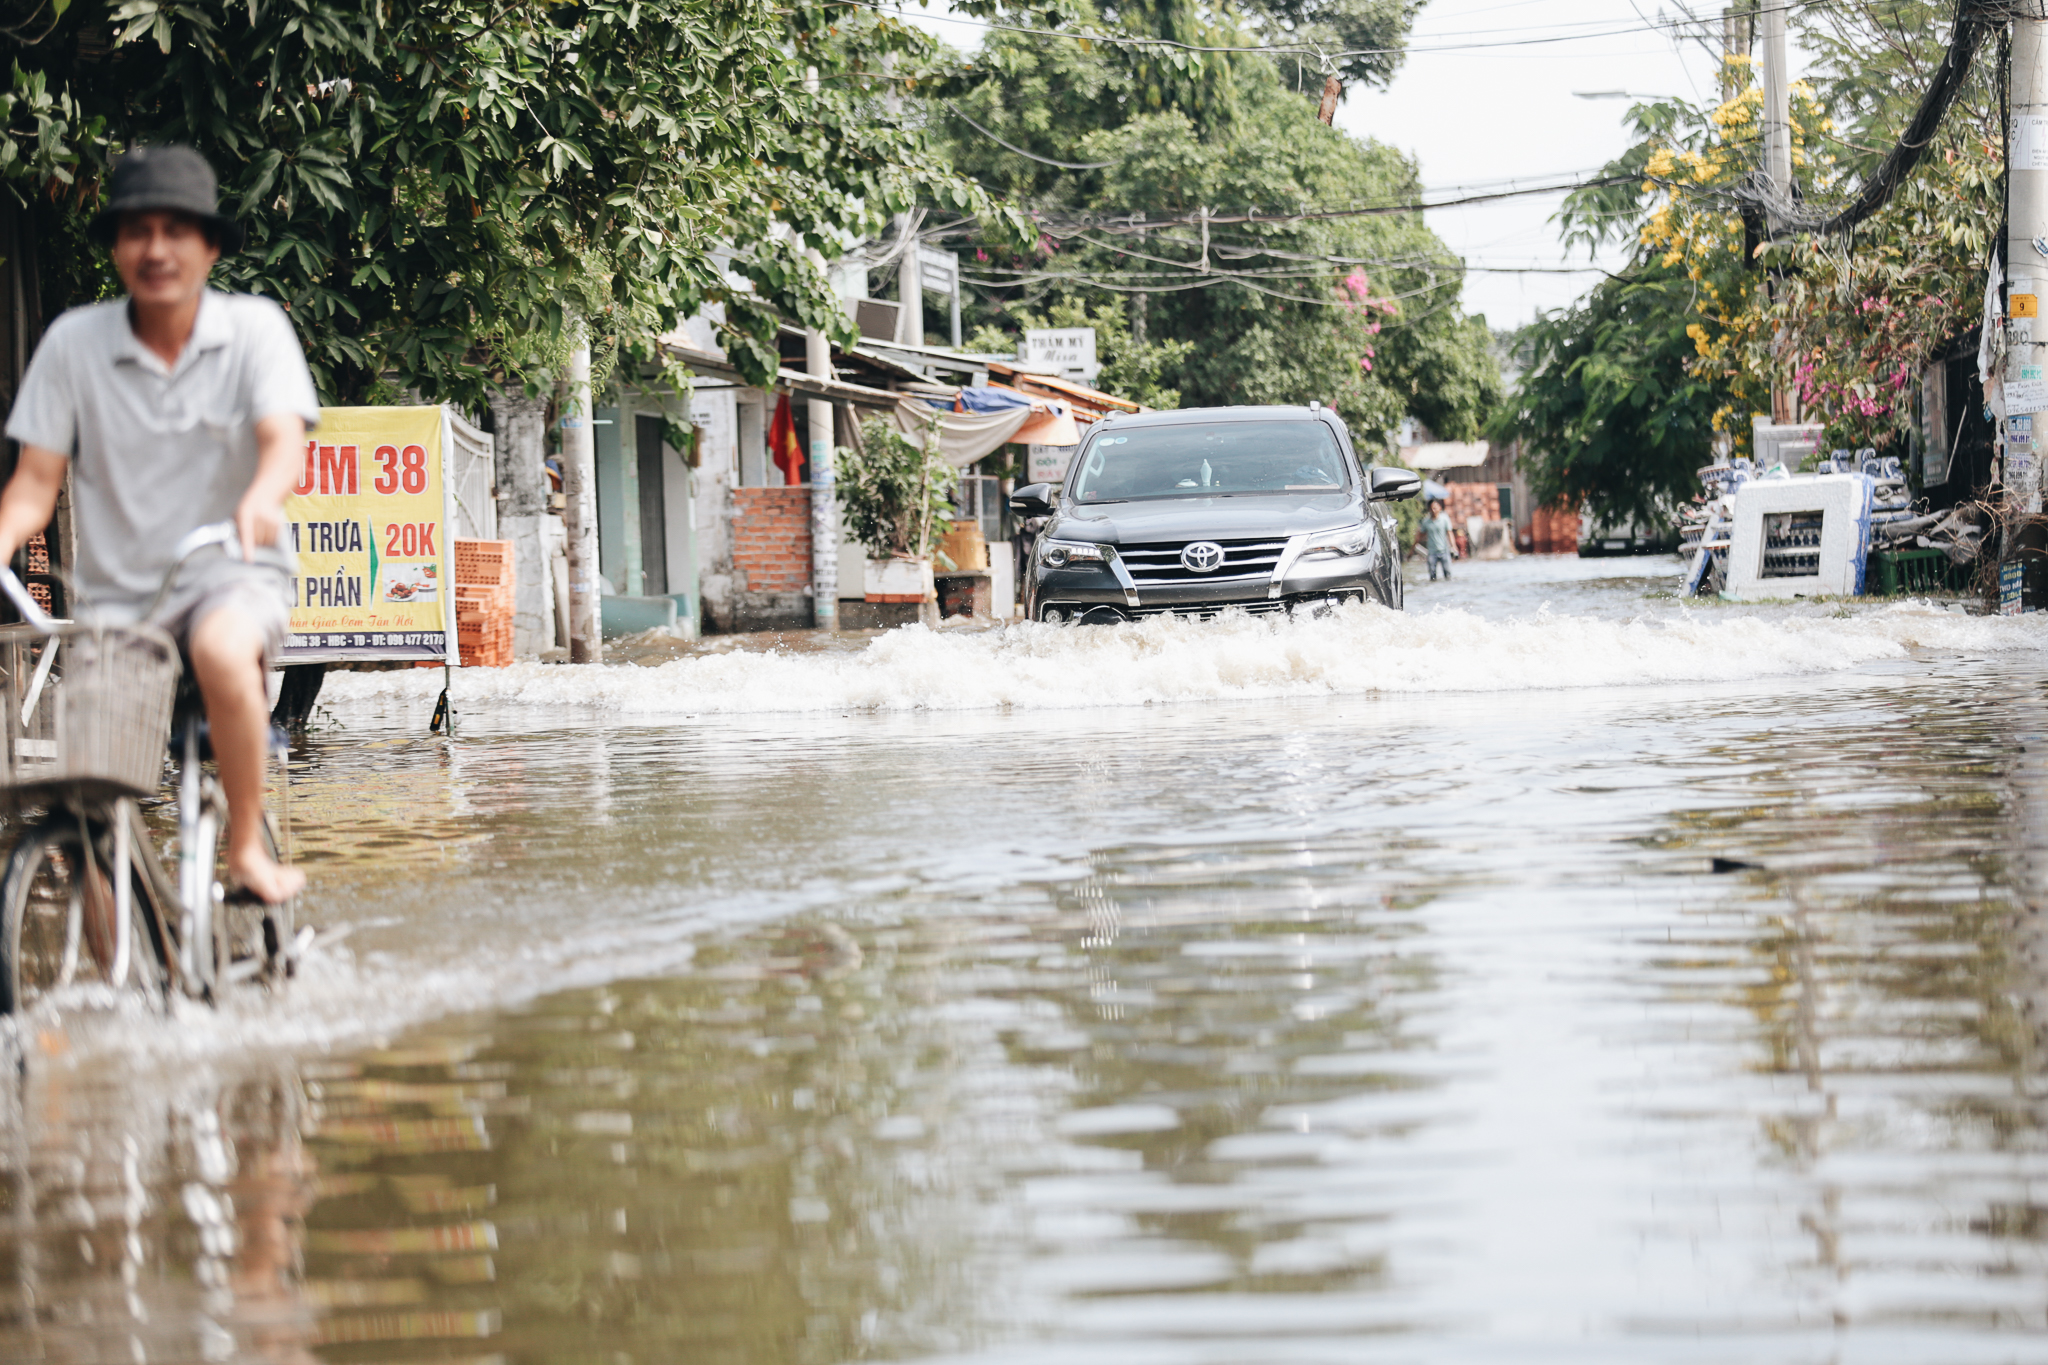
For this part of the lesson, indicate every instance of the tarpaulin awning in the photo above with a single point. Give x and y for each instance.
(1445, 455)
(1050, 423)
(987, 398)
(963, 437)
(1054, 428)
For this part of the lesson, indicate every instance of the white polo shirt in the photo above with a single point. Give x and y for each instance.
(157, 451)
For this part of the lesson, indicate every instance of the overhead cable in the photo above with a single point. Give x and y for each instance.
(961, 114)
(1070, 225)
(1975, 20)
(1321, 54)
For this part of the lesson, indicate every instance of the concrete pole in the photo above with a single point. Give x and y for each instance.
(579, 486)
(824, 489)
(1777, 149)
(2026, 270)
(519, 456)
(1777, 100)
(910, 289)
(1732, 45)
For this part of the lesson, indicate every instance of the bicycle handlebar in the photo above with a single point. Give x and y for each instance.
(17, 593)
(221, 533)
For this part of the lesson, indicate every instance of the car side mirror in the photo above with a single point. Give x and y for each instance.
(1032, 500)
(1394, 485)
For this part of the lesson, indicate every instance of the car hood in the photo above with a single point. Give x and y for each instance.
(1236, 518)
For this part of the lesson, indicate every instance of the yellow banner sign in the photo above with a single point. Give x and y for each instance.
(369, 521)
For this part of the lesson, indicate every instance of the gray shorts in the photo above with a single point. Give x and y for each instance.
(259, 593)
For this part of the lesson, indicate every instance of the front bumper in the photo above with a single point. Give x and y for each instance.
(1106, 591)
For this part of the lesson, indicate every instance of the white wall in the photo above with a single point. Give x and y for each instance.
(710, 496)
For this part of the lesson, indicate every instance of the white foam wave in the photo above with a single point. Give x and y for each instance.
(1359, 650)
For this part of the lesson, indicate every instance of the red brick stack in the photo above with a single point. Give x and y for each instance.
(1480, 500)
(771, 539)
(483, 602)
(38, 551)
(1555, 530)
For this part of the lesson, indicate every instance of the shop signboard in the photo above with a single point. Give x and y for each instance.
(371, 520)
(1047, 464)
(1068, 350)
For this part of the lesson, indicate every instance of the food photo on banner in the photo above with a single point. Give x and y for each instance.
(369, 520)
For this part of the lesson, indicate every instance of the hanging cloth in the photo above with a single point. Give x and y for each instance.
(783, 446)
(962, 437)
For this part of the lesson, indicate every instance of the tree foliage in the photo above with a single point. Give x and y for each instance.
(1613, 411)
(1359, 312)
(1845, 323)
(896, 493)
(430, 186)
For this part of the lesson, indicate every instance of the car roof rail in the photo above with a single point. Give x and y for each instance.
(1315, 405)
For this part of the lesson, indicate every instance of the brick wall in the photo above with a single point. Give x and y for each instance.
(771, 539)
(1556, 531)
(1473, 500)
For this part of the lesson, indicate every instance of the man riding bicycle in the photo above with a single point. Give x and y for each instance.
(181, 406)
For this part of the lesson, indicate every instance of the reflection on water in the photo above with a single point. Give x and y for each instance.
(1287, 1034)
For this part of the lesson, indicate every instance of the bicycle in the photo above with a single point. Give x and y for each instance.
(84, 889)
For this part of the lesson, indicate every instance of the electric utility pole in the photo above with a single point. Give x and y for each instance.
(2026, 263)
(824, 492)
(579, 505)
(824, 487)
(1734, 43)
(1777, 151)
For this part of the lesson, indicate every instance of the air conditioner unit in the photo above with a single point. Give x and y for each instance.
(876, 318)
(1800, 537)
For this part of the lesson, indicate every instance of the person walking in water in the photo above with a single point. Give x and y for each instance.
(174, 408)
(1436, 539)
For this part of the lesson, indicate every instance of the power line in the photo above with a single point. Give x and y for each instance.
(961, 114)
(1306, 50)
(1071, 225)
(1975, 20)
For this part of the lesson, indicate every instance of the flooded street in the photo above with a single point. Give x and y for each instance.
(1262, 992)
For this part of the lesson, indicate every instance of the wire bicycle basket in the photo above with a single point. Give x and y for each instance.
(88, 710)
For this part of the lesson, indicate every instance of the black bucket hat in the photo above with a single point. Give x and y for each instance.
(169, 177)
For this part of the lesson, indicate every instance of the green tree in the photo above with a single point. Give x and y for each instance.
(431, 185)
(897, 492)
(1360, 312)
(1843, 322)
(1611, 410)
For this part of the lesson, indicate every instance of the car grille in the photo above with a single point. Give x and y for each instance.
(1210, 613)
(1159, 564)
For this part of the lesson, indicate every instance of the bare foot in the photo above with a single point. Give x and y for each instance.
(263, 876)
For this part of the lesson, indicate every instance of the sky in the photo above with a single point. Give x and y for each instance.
(1497, 102)
(1501, 101)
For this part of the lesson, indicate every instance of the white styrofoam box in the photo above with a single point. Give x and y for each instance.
(1843, 503)
(899, 580)
(1002, 582)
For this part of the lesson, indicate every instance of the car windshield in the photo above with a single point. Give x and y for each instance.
(1196, 460)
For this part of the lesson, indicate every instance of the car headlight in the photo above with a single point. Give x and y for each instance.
(1058, 554)
(1349, 540)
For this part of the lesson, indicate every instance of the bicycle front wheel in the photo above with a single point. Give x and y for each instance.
(58, 925)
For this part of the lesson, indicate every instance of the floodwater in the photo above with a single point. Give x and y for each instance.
(1262, 992)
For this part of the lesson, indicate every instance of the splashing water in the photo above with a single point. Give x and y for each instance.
(1353, 651)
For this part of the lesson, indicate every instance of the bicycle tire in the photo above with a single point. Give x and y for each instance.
(250, 941)
(44, 894)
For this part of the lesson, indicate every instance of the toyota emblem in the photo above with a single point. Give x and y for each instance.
(1204, 556)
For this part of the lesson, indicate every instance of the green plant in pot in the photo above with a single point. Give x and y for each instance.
(897, 494)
